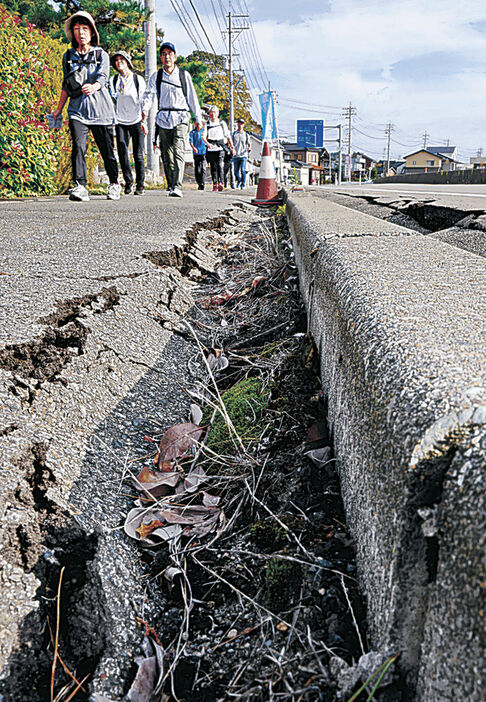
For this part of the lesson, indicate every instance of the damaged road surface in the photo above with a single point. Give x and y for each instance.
(172, 526)
(87, 367)
(211, 567)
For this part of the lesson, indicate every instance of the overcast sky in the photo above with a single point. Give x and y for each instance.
(420, 64)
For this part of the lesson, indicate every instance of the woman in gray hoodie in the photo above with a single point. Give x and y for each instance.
(86, 70)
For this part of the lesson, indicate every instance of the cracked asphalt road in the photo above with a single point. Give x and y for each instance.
(86, 369)
(53, 249)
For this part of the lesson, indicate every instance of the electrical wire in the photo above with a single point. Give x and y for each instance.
(202, 26)
(183, 21)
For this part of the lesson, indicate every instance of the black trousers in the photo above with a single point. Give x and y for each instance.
(200, 168)
(103, 136)
(125, 132)
(215, 160)
(228, 168)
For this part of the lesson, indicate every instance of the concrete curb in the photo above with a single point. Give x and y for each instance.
(398, 319)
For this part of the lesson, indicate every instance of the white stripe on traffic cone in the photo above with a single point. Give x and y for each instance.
(267, 192)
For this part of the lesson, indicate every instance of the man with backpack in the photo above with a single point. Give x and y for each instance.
(176, 98)
(126, 89)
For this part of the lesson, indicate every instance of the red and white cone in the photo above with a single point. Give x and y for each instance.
(267, 192)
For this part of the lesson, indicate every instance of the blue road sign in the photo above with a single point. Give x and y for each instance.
(310, 132)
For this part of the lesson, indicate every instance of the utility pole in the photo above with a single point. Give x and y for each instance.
(151, 67)
(232, 35)
(388, 131)
(349, 112)
(340, 163)
(426, 137)
(279, 150)
(230, 73)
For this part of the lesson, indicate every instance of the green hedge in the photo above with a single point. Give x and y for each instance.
(34, 160)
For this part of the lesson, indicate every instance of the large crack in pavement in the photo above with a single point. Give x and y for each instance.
(462, 228)
(75, 397)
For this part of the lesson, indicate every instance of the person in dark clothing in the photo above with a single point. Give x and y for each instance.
(228, 169)
(199, 147)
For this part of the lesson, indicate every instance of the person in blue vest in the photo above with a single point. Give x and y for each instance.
(173, 89)
(126, 90)
(199, 147)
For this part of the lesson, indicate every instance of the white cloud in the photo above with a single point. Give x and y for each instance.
(349, 53)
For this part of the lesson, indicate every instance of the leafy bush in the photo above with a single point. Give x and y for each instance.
(33, 159)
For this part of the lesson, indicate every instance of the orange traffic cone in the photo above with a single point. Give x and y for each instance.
(267, 192)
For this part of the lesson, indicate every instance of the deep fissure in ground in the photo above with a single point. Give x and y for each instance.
(425, 217)
(256, 589)
(296, 597)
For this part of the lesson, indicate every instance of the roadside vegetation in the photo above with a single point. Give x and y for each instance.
(35, 160)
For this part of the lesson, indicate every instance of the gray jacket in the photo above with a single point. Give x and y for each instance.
(97, 108)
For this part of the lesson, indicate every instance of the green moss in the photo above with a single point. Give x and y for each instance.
(268, 536)
(244, 404)
(281, 583)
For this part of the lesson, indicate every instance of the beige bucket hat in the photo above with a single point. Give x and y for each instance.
(124, 55)
(86, 18)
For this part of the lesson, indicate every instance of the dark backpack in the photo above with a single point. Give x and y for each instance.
(76, 77)
(183, 86)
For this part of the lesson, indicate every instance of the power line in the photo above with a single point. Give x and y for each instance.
(185, 24)
(367, 135)
(202, 27)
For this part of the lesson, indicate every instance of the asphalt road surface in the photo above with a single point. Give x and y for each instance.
(88, 366)
(460, 196)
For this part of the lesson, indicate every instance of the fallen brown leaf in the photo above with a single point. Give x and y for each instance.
(145, 529)
(178, 440)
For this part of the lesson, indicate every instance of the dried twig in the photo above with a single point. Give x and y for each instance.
(56, 638)
(279, 521)
(352, 614)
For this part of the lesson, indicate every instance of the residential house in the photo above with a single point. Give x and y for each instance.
(361, 164)
(432, 159)
(477, 161)
(313, 161)
(396, 167)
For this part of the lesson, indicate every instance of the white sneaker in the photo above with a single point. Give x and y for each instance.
(79, 193)
(114, 190)
(177, 192)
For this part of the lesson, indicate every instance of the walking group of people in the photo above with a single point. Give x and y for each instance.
(121, 104)
(226, 154)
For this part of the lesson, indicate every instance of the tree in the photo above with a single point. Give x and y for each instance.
(119, 22)
(38, 12)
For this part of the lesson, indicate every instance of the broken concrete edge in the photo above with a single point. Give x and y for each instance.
(423, 577)
(45, 528)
